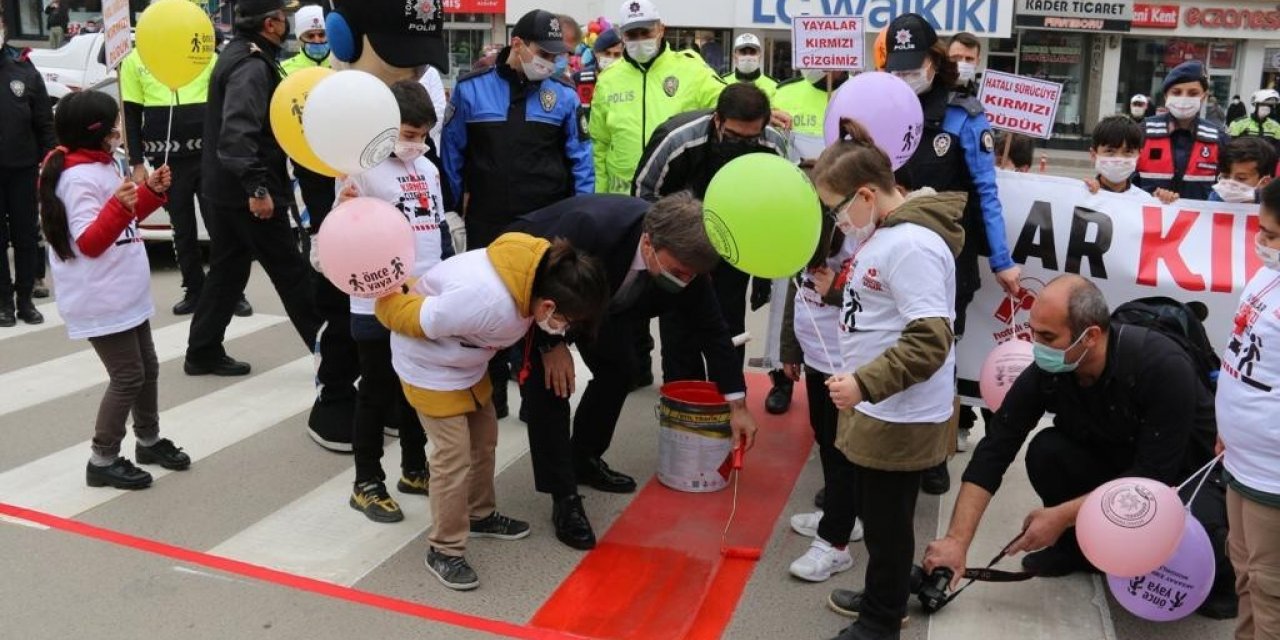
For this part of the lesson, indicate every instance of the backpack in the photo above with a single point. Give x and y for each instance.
(1179, 323)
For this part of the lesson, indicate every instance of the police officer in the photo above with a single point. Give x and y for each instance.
(652, 83)
(512, 143)
(955, 154)
(606, 50)
(747, 64)
(309, 21)
(1180, 156)
(26, 135)
(805, 97)
(147, 104)
(1264, 103)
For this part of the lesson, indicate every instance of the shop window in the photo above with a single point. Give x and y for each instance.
(1145, 62)
(1061, 58)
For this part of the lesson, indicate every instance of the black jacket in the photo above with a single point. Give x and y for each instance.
(26, 116)
(1148, 414)
(240, 150)
(57, 16)
(609, 227)
(683, 154)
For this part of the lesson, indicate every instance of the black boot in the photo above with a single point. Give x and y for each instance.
(572, 526)
(27, 311)
(779, 398)
(936, 481)
(7, 319)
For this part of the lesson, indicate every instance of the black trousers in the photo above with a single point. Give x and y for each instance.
(1062, 469)
(682, 357)
(886, 502)
(239, 239)
(19, 226)
(379, 402)
(837, 472)
(183, 196)
(555, 453)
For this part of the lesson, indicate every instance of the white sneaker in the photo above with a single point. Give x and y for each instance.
(821, 561)
(806, 524)
(962, 440)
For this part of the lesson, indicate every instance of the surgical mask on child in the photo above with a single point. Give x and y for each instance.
(1269, 257)
(859, 233)
(1052, 360)
(549, 325)
(410, 151)
(1115, 169)
(1233, 191)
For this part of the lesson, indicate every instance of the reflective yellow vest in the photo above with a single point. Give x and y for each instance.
(301, 61)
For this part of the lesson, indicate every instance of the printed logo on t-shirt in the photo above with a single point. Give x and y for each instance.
(419, 205)
(871, 281)
(1245, 350)
(129, 236)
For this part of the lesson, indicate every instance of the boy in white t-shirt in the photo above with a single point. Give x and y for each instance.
(410, 181)
(1114, 149)
(1248, 164)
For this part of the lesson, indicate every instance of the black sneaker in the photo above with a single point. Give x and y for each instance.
(452, 571)
(187, 305)
(415, 482)
(862, 631)
(499, 526)
(936, 481)
(848, 602)
(371, 499)
(779, 398)
(224, 366)
(572, 526)
(165, 454)
(1224, 605)
(120, 474)
(28, 313)
(243, 308)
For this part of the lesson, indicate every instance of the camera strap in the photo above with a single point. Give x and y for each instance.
(989, 574)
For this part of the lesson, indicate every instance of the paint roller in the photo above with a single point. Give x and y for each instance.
(741, 553)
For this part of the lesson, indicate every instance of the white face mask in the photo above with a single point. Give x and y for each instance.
(748, 64)
(858, 234)
(1233, 191)
(410, 151)
(551, 329)
(918, 80)
(603, 62)
(1137, 111)
(1115, 169)
(1183, 107)
(642, 51)
(813, 75)
(1270, 257)
(968, 71)
(1264, 111)
(537, 68)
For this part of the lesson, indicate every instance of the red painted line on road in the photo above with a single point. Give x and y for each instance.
(658, 572)
(301, 583)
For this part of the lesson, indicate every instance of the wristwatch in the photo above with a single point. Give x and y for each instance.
(260, 193)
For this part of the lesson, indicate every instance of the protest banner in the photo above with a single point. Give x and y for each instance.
(830, 43)
(115, 18)
(1020, 104)
(1130, 246)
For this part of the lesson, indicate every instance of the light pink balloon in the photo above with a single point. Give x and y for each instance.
(1003, 365)
(366, 247)
(1130, 526)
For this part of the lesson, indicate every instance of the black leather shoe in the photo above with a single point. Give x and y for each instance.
(820, 498)
(187, 305)
(40, 289)
(595, 473)
(936, 481)
(27, 312)
(779, 398)
(120, 474)
(224, 366)
(570, 520)
(243, 308)
(165, 454)
(7, 318)
(1220, 606)
(862, 631)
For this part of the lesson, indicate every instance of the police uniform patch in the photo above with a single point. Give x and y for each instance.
(1204, 152)
(670, 86)
(548, 99)
(941, 144)
(18, 87)
(988, 141)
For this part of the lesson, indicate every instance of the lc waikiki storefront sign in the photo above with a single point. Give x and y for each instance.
(984, 18)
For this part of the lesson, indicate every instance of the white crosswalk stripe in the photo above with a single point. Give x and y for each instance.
(55, 378)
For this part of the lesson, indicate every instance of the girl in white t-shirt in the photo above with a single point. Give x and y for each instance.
(90, 215)
(1248, 402)
(896, 390)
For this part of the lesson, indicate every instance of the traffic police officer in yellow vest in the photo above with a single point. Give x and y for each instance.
(805, 98)
(650, 84)
(309, 22)
(146, 112)
(747, 54)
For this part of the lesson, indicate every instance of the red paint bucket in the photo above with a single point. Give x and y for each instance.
(694, 438)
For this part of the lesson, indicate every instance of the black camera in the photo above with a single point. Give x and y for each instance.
(931, 589)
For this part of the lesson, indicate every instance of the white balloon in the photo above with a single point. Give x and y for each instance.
(351, 121)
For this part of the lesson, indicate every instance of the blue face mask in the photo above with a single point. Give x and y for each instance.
(316, 50)
(562, 63)
(1051, 360)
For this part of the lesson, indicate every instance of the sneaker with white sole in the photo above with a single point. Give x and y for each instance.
(806, 524)
(821, 562)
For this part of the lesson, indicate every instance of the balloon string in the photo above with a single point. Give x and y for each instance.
(168, 136)
(1203, 473)
(823, 343)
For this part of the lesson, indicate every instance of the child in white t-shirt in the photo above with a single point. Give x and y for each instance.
(896, 388)
(411, 182)
(1248, 402)
(90, 215)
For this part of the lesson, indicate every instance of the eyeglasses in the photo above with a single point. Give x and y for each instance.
(729, 135)
(835, 211)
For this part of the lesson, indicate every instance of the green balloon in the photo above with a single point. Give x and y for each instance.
(763, 215)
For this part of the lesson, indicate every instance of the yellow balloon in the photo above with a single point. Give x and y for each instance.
(175, 40)
(286, 117)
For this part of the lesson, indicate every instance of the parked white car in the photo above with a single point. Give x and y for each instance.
(74, 67)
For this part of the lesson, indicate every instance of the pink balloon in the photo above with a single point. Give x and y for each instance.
(1130, 526)
(1178, 587)
(885, 106)
(366, 247)
(1003, 365)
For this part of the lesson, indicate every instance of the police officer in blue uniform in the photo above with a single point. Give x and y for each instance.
(512, 143)
(956, 153)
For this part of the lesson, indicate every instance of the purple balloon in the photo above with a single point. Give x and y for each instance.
(1176, 589)
(885, 106)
